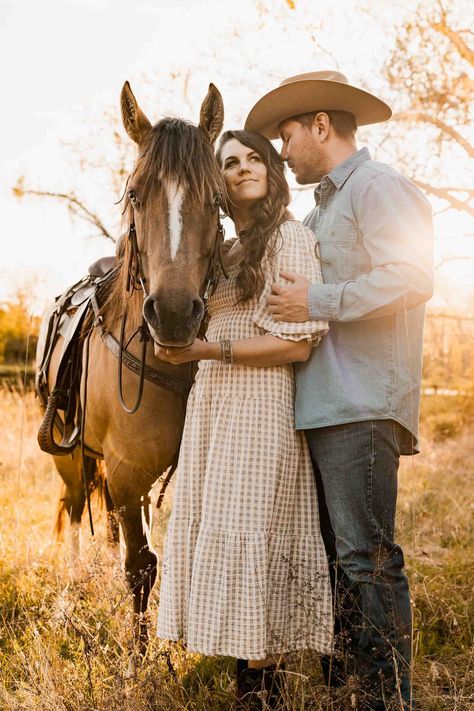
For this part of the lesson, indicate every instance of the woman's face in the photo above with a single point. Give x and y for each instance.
(244, 172)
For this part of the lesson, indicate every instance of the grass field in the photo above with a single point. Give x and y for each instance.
(65, 639)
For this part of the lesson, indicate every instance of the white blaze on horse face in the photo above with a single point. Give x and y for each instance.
(175, 196)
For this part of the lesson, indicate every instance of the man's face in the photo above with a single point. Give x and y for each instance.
(303, 151)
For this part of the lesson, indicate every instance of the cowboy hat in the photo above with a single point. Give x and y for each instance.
(314, 91)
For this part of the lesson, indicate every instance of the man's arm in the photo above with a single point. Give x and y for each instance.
(396, 223)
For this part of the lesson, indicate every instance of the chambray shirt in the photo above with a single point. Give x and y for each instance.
(374, 229)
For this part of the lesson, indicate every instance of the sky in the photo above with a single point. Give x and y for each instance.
(63, 60)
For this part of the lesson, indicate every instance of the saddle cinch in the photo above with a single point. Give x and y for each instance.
(66, 319)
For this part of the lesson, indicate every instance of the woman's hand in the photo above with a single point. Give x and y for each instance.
(196, 351)
(256, 351)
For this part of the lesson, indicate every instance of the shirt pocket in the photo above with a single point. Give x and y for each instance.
(338, 246)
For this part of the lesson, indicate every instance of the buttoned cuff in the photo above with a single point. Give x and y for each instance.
(324, 301)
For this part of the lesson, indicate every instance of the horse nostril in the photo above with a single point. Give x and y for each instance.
(150, 310)
(198, 309)
(173, 316)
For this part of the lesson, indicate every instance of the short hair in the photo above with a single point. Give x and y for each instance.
(343, 122)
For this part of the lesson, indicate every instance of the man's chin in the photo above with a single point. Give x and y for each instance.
(306, 179)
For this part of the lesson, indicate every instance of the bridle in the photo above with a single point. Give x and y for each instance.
(136, 281)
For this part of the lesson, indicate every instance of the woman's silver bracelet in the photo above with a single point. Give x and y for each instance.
(227, 354)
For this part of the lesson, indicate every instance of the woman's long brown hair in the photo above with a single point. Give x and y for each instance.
(268, 213)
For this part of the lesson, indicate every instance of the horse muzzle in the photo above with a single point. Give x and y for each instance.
(174, 317)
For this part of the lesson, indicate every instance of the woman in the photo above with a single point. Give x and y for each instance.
(244, 568)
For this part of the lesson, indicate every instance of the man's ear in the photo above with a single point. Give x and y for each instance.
(321, 125)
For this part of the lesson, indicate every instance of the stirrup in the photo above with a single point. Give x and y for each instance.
(46, 440)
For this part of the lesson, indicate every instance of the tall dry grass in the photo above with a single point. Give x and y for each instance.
(65, 635)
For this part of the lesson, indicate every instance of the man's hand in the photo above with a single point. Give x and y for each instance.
(290, 303)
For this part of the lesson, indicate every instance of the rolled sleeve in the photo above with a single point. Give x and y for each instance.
(295, 253)
(323, 301)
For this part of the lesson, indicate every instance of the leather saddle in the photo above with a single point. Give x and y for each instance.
(61, 404)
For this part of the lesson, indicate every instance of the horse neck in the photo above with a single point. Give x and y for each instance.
(118, 303)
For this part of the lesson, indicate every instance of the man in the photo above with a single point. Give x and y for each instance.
(358, 396)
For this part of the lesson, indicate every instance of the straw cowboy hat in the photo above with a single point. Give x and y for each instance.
(314, 91)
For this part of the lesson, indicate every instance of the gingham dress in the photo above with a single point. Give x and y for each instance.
(244, 569)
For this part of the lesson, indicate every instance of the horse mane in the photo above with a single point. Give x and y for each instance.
(180, 151)
(175, 150)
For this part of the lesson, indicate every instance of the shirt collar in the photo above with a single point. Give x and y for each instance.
(341, 173)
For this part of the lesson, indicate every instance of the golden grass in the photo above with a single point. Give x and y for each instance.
(65, 636)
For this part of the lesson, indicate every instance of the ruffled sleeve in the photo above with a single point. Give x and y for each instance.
(294, 250)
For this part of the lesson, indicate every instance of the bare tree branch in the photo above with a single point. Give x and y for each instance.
(421, 117)
(430, 68)
(76, 206)
(454, 317)
(455, 38)
(459, 190)
(444, 194)
(454, 258)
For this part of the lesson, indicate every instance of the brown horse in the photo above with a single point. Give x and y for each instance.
(171, 206)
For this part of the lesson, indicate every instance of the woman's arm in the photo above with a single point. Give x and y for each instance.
(259, 351)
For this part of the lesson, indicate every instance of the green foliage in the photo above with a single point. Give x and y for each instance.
(445, 416)
(448, 375)
(448, 360)
(444, 611)
(446, 425)
(18, 331)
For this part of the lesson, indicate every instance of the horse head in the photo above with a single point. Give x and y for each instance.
(172, 205)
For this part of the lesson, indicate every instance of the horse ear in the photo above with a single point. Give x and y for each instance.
(136, 123)
(211, 118)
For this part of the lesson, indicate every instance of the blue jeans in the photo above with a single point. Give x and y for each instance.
(356, 468)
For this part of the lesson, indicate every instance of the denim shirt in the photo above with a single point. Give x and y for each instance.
(374, 229)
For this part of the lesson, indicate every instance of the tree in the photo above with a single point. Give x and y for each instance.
(428, 72)
(101, 157)
(431, 73)
(18, 330)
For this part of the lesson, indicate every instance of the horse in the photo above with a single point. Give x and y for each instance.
(164, 266)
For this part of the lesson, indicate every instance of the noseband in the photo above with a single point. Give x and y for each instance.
(136, 281)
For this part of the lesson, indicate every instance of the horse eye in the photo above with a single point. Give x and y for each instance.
(132, 196)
